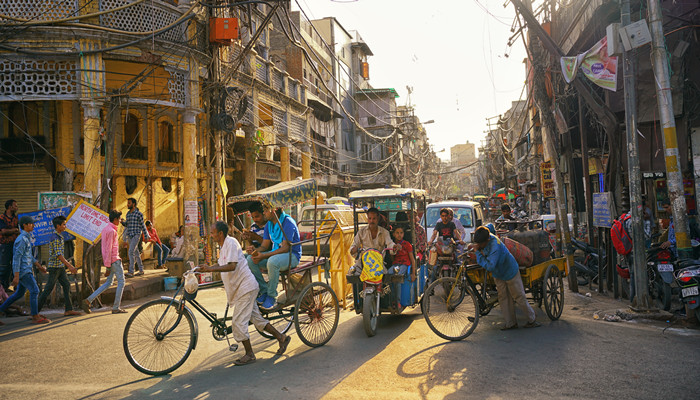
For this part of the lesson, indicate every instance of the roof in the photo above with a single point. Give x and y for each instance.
(280, 195)
(367, 92)
(454, 204)
(394, 192)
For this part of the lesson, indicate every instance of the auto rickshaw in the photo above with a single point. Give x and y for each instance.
(375, 291)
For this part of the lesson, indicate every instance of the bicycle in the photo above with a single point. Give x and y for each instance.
(161, 334)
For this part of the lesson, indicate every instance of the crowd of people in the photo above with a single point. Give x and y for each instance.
(19, 263)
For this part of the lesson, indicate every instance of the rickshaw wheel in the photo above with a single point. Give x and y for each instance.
(282, 323)
(553, 292)
(369, 314)
(453, 320)
(316, 314)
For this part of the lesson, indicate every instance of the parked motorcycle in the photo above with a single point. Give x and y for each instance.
(587, 266)
(661, 264)
(688, 279)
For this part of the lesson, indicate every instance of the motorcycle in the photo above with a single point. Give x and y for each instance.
(587, 266)
(688, 279)
(661, 264)
(443, 258)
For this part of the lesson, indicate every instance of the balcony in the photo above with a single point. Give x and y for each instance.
(168, 156)
(21, 149)
(134, 152)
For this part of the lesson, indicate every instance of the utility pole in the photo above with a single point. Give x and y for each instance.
(629, 65)
(674, 177)
(549, 128)
(586, 177)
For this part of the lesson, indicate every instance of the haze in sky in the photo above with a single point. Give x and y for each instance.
(451, 52)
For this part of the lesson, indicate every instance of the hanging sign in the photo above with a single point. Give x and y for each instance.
(602, 210)
(43, 224)
(595, 64)
(547, 181)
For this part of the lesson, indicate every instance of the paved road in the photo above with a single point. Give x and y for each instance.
(575, 357)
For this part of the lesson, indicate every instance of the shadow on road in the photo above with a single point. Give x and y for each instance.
(302, 372)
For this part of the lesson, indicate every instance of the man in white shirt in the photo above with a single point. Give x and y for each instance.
(241, 290)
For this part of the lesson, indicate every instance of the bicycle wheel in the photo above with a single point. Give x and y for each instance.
(158, 353)
(279, 320)
(316, 314)
(454, 319)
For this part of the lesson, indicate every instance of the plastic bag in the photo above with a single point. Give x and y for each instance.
(191, 283)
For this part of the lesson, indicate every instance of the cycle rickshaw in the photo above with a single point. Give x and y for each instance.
(371, 298)
(452, 305)
(161, 334)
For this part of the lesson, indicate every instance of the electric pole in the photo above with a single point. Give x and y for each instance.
(674, 177)
(629, 65)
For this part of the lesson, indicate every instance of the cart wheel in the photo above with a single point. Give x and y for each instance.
(279, 320)
(316, 314)
(553, 292)
(369, 314)
(452, 319)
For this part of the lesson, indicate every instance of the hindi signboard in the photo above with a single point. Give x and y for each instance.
(87, 221)
(547, 181)
(602, 210)
(43, 224)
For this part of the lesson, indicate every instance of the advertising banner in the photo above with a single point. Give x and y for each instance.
(43, 224)
(547, 181)
(595, 64)
(86, 222)
(51, 200)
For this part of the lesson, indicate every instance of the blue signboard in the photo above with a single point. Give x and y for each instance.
(602, 210)
(43, 225)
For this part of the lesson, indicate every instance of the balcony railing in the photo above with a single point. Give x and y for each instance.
(134, 152)
(168, 156)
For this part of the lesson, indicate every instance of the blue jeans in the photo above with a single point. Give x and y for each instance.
(5, 265)
(60, 275)
(274, 264)
(116, 271)
(26, 282)
(162, 252)
(134, 255)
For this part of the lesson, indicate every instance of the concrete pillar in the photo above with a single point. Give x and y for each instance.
(92, 164)
(189, 164)
(306, 161)
(250, 159)
(285, 173)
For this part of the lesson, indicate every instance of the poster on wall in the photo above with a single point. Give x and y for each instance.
(547, 181)
(191, 213)
(602, 210)
(53, 200)
(86, 222)
(43, 224)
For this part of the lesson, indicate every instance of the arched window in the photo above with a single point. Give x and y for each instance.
(165, 136)
(132, 130)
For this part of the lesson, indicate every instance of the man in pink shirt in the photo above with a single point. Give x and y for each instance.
(112, 262)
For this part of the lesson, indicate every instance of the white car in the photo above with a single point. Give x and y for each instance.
(469, 213)
(306, 226)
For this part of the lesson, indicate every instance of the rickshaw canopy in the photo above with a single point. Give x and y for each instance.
(391, 192)
(283, 194)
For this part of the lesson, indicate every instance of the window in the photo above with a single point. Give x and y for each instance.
(165, 136)
(132, 130)
(25, 117)
(372, 120)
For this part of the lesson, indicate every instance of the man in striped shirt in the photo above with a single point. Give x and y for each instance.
(134, 228)
(57, 268)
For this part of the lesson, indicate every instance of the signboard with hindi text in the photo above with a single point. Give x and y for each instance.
(602, 210)
(43, 224)
(87, 221)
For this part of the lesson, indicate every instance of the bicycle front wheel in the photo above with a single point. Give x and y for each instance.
(162, 350)
(450, 309)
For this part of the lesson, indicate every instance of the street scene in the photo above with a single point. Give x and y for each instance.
(349, 199)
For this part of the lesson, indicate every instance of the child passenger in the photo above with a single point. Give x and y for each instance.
(403, 258)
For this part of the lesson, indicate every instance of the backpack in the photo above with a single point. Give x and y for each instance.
(620, 238)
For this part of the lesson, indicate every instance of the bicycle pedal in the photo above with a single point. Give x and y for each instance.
(233, 347)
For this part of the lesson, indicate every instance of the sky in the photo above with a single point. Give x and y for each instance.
(452, 53)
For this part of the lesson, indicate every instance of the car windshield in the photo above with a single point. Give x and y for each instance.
(463, 214)
(308, 216)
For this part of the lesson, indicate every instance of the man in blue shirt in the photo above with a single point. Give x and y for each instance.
(494, 256)
(22, 262)
(276, 253)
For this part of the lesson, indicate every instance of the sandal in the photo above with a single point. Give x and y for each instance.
(507, 328)
(42, 320)
(283, 346)
(244, 361)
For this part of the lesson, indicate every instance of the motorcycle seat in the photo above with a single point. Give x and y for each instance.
(688, 263)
